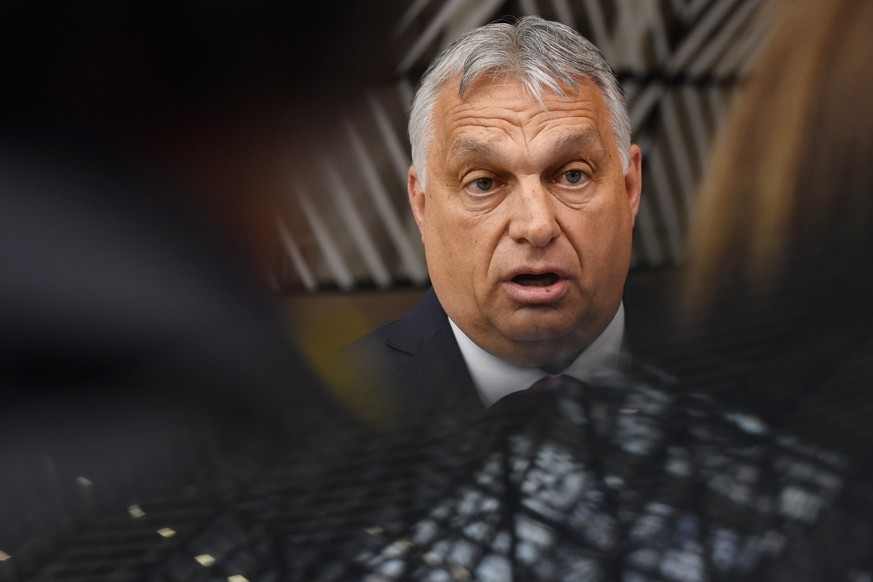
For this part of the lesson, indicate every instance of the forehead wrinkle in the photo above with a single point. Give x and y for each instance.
(522, 121)
(462, 117)
(467, 152)
(576, 113)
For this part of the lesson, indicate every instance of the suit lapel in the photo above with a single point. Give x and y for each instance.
(433, 378)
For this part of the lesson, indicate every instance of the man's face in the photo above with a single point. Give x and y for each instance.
(526, 218)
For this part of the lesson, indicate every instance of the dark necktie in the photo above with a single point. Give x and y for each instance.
(543, 392)
(556, 383)
(600, 403)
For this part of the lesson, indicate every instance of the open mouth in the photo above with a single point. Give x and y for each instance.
(540, 280)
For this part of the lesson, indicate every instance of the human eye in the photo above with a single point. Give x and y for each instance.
(481, 186)
(572, 177)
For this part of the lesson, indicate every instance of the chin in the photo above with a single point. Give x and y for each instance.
(539, 327)
(541, 345)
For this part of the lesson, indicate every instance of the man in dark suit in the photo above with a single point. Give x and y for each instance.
(525, 187)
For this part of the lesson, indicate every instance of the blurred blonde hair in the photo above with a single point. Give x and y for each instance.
(790, 188)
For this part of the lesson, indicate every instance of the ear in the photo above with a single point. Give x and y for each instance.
(416, 199)
(633, 180)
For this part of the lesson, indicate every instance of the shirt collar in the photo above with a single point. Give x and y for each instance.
(495, 378)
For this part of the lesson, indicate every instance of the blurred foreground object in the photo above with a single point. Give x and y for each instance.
(143, 147)
(608, 481)
(779, 289)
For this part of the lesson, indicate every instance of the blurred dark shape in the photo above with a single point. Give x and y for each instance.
(143, 147)
(225, 97)
(619, 481)
(779, 290)
(126, 66)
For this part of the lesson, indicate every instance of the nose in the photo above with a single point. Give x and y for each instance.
(533, 218)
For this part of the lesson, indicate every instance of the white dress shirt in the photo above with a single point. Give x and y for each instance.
(495, 378)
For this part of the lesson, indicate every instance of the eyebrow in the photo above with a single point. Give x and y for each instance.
(586, 139)
(469, 146)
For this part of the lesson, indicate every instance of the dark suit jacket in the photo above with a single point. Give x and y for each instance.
(412, 369)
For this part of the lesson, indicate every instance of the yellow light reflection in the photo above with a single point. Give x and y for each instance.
(205, 560)
(135, 511)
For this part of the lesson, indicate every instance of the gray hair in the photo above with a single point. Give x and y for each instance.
(543, 55)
